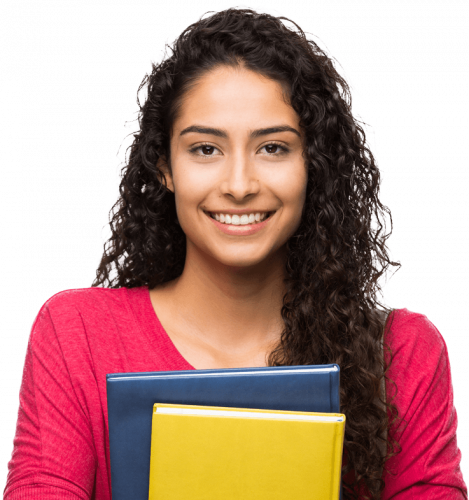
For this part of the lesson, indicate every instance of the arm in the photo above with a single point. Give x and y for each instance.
(53, 455)
(428, 465)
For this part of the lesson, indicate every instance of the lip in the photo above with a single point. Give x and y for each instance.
(238, 211)
(245, 230)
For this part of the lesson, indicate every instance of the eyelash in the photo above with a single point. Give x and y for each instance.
(284, 149)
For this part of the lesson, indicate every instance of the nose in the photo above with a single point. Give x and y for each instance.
(241, 179)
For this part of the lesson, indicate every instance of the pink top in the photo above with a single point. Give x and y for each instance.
(61, 447)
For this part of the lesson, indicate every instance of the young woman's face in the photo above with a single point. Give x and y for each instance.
(227, 164)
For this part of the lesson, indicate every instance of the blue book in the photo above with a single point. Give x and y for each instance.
(131, 396)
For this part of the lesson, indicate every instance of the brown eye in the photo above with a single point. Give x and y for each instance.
(271, 147)
(274, 149)
(206, 150)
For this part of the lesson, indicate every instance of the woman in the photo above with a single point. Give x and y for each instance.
(243, 237)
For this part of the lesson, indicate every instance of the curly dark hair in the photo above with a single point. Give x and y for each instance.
(334, 259)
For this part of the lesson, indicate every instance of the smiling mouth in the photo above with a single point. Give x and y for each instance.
(268, 216)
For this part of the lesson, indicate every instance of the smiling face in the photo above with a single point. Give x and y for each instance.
(224, 161)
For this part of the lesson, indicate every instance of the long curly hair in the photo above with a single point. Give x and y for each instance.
(335, 258)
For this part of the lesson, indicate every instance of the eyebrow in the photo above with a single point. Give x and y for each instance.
(254, 134)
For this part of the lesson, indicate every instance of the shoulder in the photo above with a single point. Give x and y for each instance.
(92, 299)
(81, 296)
(70, 311)
(420, 363)
(412, 333)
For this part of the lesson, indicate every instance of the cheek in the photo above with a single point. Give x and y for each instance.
(192, 179)
(191, 187)
(294, 208)
(290, 187)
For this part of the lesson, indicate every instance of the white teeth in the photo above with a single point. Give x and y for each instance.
(242, 220)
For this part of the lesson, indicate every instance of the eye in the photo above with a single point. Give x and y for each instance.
(205, 148)
(275, 146)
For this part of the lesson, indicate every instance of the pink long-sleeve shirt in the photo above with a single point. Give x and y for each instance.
(61, 446)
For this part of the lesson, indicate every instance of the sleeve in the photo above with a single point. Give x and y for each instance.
(53, 455)
(429, 464)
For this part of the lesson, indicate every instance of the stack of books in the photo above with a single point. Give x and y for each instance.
(241, 433)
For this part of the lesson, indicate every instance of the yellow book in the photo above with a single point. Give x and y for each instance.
(218, 453)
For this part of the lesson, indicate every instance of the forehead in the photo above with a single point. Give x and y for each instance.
(235, 97)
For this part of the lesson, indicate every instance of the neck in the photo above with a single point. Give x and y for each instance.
(227, 307)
